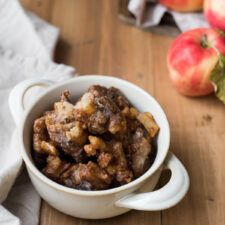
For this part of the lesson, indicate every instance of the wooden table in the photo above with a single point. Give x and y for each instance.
(95, 42)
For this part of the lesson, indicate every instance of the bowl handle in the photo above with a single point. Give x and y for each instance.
(164, 198)
(16, 96)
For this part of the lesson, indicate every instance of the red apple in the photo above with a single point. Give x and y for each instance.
(215, 13)
(191, 59)
(183, 5)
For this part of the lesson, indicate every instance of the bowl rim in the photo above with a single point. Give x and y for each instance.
(32, 168)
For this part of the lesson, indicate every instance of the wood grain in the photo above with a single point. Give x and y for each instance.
(95, 42)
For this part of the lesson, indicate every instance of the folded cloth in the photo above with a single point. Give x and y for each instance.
(27, 46)
(149, 13)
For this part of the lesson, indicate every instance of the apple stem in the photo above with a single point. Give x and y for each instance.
(204, 43)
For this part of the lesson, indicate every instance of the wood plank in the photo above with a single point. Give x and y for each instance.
(197, 138)
(95, 42)
(90, 52)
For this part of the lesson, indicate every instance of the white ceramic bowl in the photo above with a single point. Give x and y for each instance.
(107, 203)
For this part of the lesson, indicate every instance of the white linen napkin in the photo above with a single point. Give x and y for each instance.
(27, 46)
(149, 13)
